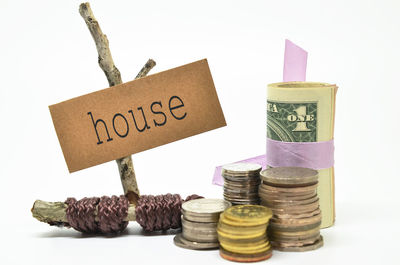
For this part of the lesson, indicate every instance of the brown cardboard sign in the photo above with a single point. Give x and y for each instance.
(137, 115)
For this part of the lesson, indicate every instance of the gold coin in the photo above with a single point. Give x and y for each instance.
(248, 214)
(242, 240)
(228, 234)
(247, 250)
(244, 244)
(231, 226)
(245, 257)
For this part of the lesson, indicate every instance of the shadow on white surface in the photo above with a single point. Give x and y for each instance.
(129, 231)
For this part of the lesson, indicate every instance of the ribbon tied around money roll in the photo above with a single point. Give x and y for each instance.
(300, 126)
(316, 155)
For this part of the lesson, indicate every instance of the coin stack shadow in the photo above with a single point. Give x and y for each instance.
(199, 223)
(241, 181)
(242, 233)
(291, 193)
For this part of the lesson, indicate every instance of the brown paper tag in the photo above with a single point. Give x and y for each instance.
(137, 115)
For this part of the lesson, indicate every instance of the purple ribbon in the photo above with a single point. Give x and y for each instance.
(315, 155)
(294, 69)
(295, 63)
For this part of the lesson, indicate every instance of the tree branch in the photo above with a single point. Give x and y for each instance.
(113, 75)
(54, 213)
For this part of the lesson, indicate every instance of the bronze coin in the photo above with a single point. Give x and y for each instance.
(289, 189)
(297, 243)
(297, 234)
(294, 209)
(289, 175)
(296, 215)
(288, 196)
(290, 185)
(282, 203)
(291, 228)
(281, 194)
(317, 244)
(245, 257)
(297, 221)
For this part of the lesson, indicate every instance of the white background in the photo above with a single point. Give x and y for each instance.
(47, 55)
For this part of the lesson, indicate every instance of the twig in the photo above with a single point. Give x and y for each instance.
(113, 75)
(54, 213)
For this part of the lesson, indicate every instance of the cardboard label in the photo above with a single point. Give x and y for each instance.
(137, 115)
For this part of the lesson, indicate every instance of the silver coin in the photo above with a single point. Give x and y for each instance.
(201, 218)
(241, 178)
(241, 193)
(205, 206)
(200, 237)
(198, 225)
(241, 168)
(180, 241)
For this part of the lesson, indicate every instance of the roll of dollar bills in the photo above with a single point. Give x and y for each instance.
(300, 126)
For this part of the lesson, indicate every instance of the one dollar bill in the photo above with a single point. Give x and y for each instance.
(305, 112)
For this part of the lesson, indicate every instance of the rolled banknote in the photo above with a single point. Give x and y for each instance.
(300, 126)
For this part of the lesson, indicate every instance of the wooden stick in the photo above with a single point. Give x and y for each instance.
(113, 75)
(54, 213)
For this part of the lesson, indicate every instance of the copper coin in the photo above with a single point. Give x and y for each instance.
(291, 202)
(289, 186)
(293, 237)
(317, 244)
(281, 194)
(289, 175)
(298, 243)
(297, 234)
(295, 208)
(289, 189)
(245, 257)
(297, 215)
(284, 197)
(291, 228)
(297, 221)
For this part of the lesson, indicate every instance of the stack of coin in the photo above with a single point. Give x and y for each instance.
(291, 193)
(199, 223)
(242, 233)
(241, 181)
